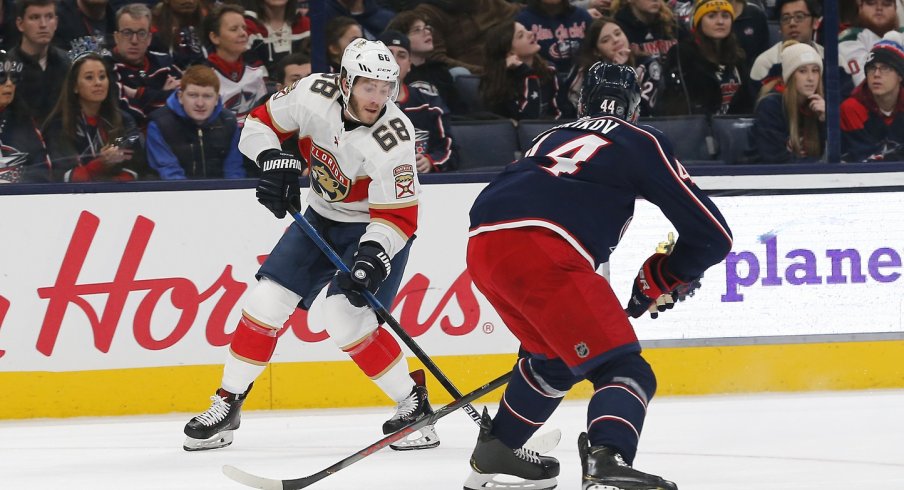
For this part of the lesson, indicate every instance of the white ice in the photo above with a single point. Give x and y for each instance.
(838, 440)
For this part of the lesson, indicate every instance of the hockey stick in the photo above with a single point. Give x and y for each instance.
(385, 315)
(271, 484)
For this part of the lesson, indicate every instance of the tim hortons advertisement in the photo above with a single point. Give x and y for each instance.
(107, 281)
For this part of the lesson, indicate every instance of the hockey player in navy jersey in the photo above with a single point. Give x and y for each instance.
(359, 147)
(539, 231)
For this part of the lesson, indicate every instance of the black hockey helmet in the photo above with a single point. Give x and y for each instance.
(610, 90)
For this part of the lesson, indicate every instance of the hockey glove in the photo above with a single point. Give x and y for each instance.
(652, 281)
(278, 187)
(368, 272)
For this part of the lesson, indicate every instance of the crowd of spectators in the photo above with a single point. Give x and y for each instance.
(116, 90)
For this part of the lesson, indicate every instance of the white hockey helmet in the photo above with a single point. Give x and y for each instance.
(369, 59)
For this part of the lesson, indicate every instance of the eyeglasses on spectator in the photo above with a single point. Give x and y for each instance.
(796, 18)
(130, 34)
(421, 30)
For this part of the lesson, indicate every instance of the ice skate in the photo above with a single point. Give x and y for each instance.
(605, 469)
(497, 466)
(213, 428)
(415, 406)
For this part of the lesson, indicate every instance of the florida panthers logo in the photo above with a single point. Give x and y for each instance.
(327, 179)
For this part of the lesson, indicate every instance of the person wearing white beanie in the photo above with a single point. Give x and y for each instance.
(790, 120)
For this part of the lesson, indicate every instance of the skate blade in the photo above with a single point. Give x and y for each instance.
(499, 481)
(222, 439)
(426, 440)
(621, 486)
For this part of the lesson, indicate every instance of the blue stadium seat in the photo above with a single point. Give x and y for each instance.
(775, 32)
(732, 135)
(690, 136)
(468, 89)
(485, 145)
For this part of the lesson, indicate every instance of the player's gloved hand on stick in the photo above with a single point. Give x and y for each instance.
(652, 282)
(278, 187)
(370, 268)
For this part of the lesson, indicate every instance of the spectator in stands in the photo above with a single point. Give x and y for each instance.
(290, 69)
(276, 29)
(145, 78)
(340, 31)
(242, 81)
(9, 36)
(874, 19)
(797, 22)
(176, 28)
(704, 73)
(428, 113)
(193, 136)
(43, 66)
(600, 8)
(790, 121)
(751, 29)
(23, 156)
(872, 118)
(88, 137)
(460, 30)
(372, 18)
(560, 29)
(517, 83)
(429, 75)
(85, 18)
(649, 24)
(611, 45)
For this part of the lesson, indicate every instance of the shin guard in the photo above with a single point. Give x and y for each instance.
(253, 341)
(376, 353)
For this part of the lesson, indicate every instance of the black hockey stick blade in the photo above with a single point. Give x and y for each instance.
(255, 481)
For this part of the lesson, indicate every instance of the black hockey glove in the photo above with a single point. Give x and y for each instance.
(652, 282)
(368, 272)
(278, 187)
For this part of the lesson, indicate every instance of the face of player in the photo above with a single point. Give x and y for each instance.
(792, 28)
(716, 25)
(232, 38)
(612, 43)
(403, 59)
(38, 24)
(882, 79)
(806, 79)
(133, 36)
(368, 98)
(524, 42)
(421, 37)
(198, 102)
(7, 93)
(92, 84)
(295, 73)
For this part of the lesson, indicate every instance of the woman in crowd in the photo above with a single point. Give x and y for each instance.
(872, 118)
(23, 157)
(517, 83)
(705, 73)
(276, 29)
(790, 120)
(176, 27)
(242, 79)
(606, 41)
(340, 32)
(649, 24)
(88, 137)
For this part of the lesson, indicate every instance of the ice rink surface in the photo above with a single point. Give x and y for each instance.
(838, 440)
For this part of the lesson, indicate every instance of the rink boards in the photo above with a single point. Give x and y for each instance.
(124, 303)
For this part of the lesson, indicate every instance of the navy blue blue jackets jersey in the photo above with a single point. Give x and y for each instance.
(581, 180)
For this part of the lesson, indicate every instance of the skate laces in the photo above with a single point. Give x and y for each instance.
(528, 455)
(216, 413)
(407, 406)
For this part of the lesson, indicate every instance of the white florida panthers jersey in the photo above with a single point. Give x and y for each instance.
(365, 174)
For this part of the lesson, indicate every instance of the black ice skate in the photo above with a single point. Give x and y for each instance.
(497, 466)
(605, 469)
(415, 406)
(213, 428)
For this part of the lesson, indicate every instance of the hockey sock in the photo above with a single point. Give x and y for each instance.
(528, 402)
(618, 406)
(378, 356)
(238, 374)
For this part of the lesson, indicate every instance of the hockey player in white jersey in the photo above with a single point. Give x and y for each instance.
(360, 149)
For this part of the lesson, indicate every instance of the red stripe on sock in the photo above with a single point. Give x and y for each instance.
(377, 352)
(253, 341)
